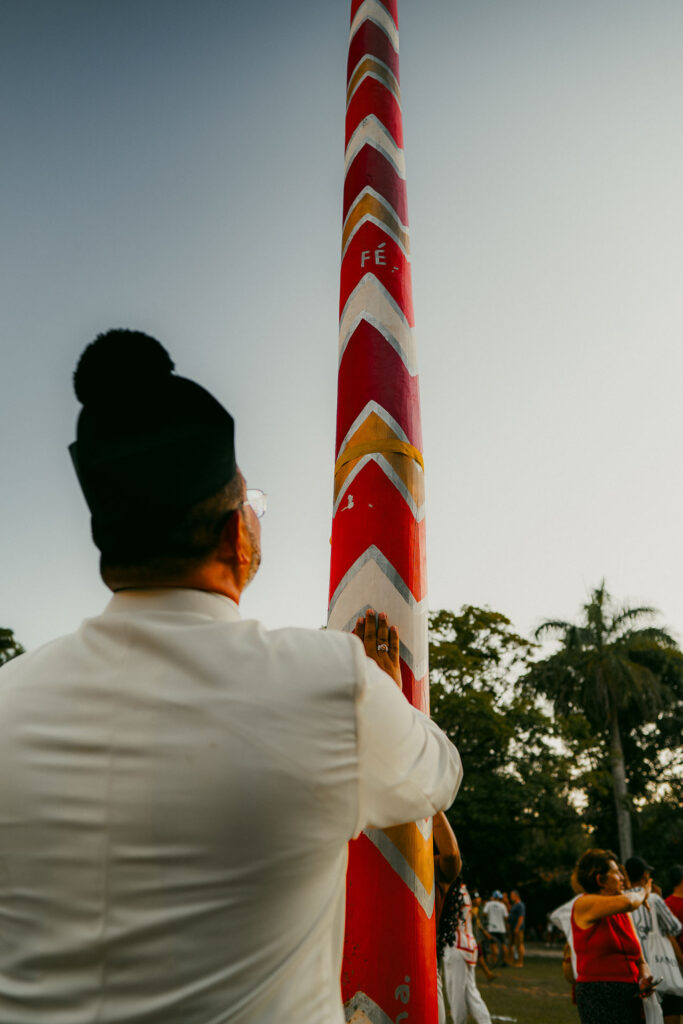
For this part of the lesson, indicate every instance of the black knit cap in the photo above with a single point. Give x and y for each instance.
(149, 444)
(636, 868)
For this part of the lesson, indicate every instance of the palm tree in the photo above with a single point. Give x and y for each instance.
(613, 670)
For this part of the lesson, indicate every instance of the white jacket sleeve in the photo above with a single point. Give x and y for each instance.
(408, 768)
(668, 922)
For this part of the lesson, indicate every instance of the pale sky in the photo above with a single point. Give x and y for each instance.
(176, 166)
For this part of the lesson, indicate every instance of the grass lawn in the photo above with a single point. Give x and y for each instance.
(535, 994)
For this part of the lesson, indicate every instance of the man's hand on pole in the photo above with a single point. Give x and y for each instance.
(381, 642)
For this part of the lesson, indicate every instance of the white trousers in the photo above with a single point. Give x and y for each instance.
(439, 995)
(461, 988)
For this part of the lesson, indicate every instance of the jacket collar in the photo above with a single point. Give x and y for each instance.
(173, 599)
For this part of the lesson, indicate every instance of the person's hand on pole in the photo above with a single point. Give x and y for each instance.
(381, 643)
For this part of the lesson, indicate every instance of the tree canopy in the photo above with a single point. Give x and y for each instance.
(514, 817)
(621, 678)
(535, 732)
(9, 646)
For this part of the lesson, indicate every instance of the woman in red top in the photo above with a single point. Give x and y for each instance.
(675, 901)
(611, 970)
(672, 1005)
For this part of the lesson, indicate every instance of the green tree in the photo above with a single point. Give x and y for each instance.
(623, 679)
(9, 646)
(514, 816)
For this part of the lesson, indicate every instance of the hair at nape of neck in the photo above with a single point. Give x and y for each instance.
(145, 556)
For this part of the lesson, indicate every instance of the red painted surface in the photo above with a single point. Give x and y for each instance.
(372, 97)
(371, 40)
(372, 370)
(370, 167)
(389, 938)
(372, 892)
(393, 273)
(383, 521)
(417, 692)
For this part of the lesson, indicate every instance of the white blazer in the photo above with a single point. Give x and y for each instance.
(178, 788)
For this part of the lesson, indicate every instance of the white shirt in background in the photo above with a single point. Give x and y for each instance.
(496, 916)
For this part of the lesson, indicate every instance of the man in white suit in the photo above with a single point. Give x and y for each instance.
(179, 785)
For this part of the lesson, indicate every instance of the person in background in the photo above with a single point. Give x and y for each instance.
(447, 865)
(675, 904)
(516, 925)
(495, 918)
(479, 935)
(561, 918)
(611, 969)
(639, 872)
(675, 900)
(447, 859)
(568, 969)
(457, 950)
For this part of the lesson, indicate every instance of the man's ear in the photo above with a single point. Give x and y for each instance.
(244, 547)
(235, 544)
(228, 541)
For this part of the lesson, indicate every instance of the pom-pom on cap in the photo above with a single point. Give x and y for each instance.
(149, 444)
(118, 362)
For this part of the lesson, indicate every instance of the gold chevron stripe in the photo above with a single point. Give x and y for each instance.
(375, 436)
(405, 470)
(418, 869)
(383, 448)
(369, 205)
(415, 849)
(370, 64)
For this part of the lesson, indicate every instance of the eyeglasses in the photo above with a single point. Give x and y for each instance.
(257, 502)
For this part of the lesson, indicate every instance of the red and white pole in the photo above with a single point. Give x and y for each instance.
(378, 536)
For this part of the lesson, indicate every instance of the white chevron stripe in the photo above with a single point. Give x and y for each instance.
(372, 132)
(403, 352)
(381, 64)
(425, 827)
(402, 869)
(370, 301)
(380, 411)
(375, 555)
(372, 10)
(371, 588)
(361, 1009)
(418, 511)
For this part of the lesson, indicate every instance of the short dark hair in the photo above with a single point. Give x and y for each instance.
(675, 875)
(590, 866)
(176, 547)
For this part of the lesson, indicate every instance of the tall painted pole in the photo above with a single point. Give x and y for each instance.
(378, 540)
